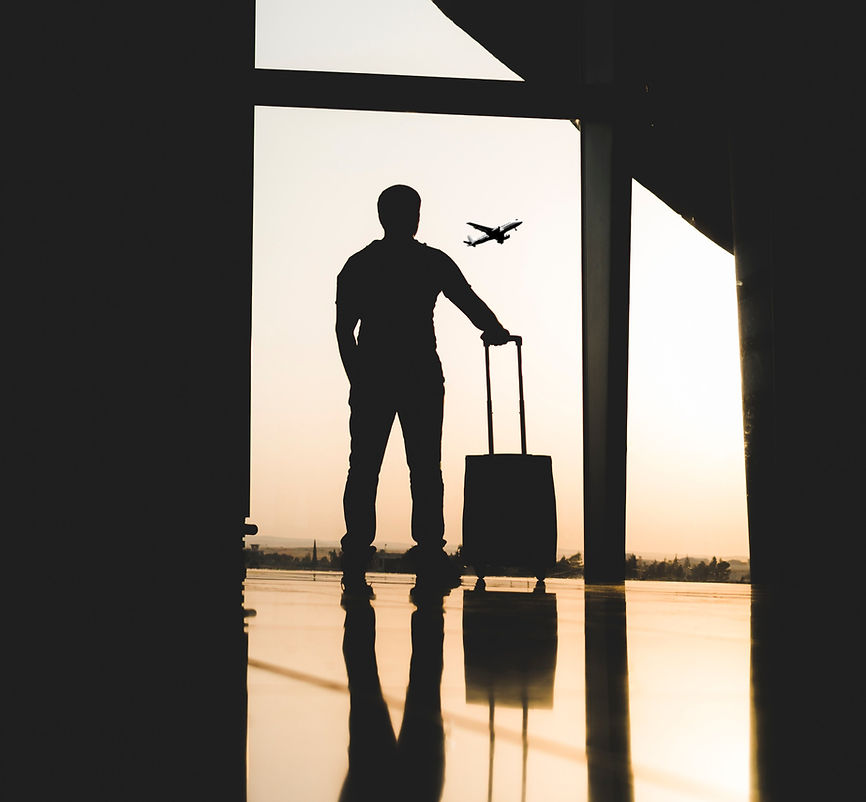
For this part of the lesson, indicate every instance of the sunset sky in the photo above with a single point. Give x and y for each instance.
(317, 176)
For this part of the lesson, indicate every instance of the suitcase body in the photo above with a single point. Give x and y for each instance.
(509, 504)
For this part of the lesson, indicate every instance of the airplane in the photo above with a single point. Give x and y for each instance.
(497, 233)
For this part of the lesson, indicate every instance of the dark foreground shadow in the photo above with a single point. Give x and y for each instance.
(509, 653)
(382, 766)
(608, 750)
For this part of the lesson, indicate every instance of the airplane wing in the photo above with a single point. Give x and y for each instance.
(485, 229)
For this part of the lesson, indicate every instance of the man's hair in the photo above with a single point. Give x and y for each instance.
(399, 208)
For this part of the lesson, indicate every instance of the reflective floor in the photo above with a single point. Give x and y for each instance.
(503, 694)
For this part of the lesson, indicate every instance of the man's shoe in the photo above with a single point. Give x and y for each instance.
(434, 570)
(355, 588)
(356, 560)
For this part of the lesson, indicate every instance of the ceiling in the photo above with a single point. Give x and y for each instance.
(679, 70)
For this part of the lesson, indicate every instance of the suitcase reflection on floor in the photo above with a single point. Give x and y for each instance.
(509, 654)
(413, 761)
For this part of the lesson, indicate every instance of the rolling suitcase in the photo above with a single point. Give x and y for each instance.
(509, 505)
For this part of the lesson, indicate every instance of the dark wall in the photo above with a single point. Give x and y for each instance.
(797, 209)
(796, 215)
(131, 231)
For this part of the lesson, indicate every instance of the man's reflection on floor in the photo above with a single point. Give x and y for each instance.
(608, 751)
(509, 654)
(382, 766)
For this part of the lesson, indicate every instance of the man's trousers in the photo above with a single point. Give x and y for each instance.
(419, 406)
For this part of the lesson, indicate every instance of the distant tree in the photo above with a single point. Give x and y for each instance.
(676, 570)
(699, 572)
(565, 567)
(654, 570)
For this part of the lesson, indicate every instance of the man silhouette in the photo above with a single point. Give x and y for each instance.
(391, 287)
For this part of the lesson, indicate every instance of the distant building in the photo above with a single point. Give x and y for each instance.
(385, 561)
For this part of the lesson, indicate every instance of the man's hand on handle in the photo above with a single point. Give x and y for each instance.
(498, 336)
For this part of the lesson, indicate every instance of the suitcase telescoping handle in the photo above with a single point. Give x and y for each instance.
(518, 341)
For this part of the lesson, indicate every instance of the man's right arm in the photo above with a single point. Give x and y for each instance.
(347, 318)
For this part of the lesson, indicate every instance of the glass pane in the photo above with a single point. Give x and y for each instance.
(317, 176)
(399, 37)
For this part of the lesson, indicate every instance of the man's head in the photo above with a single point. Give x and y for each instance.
(399, 211)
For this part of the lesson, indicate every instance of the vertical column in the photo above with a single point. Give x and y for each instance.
(753, 250)
(606, 244)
